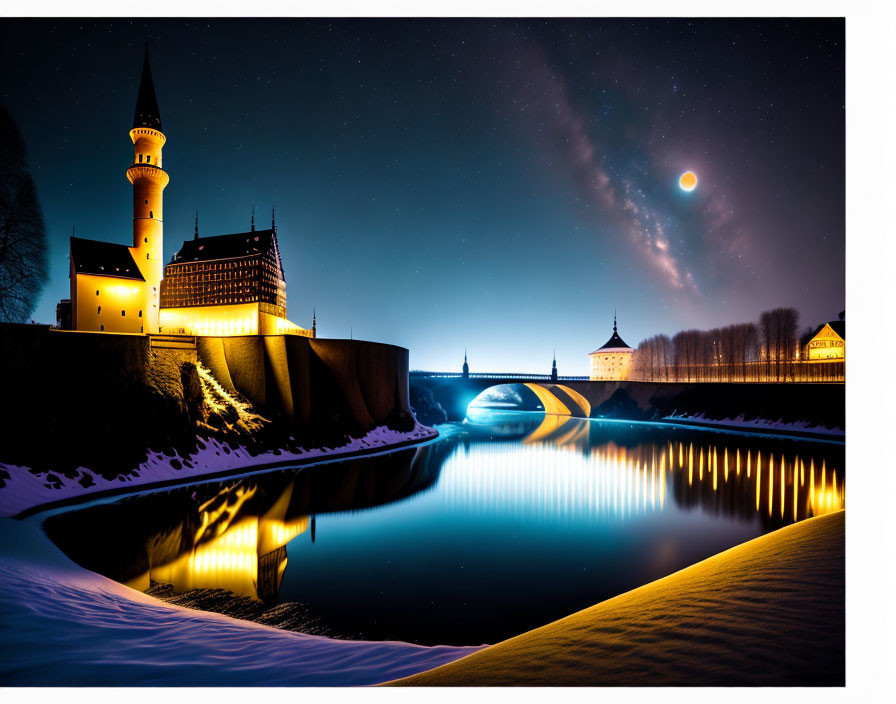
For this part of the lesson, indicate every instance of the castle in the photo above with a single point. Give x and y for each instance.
(224, 285)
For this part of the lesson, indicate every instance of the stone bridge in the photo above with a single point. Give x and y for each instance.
(445, 397)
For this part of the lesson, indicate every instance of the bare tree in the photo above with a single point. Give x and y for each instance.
(23, 240)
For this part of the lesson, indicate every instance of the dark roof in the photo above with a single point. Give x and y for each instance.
(242, 244)
(838, 326)
(614, 342)
(103, 258)
(146, 114)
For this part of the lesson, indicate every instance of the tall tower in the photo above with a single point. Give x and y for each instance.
(554, 368)
(466, 367)
(149, 180)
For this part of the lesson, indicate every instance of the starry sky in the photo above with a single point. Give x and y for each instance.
(495, 185)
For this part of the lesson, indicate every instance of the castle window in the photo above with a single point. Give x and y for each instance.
(97, 292)
(150, 213)
(146, 239)
(146, 202)
(147, 256)
(140, 314)
(102, 327)
(98, 309)
(140, 158)
(122, 314)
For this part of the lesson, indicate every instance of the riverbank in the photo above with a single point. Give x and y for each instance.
(769, 612)
(762, 426)
(24, 491)
(66, 626)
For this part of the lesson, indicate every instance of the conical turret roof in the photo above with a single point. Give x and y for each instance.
(146, 114)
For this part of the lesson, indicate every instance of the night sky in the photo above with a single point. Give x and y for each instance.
(499, 185)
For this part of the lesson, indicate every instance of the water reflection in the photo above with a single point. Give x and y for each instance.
(568, 468)
(231, 535)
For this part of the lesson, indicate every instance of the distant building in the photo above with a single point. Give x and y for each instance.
(828, 343)
(613, 360)
(225, 285)
(466, 368)
(554, 369)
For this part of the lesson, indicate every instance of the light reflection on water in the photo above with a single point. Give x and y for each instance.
(510, 521)
(556, 471)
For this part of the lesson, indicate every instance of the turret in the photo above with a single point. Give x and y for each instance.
(149, 180)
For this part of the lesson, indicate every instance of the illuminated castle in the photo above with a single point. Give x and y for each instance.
(613, 360)
(225, 285)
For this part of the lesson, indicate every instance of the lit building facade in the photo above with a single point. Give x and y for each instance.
(225, 285)
(828, 344)
(114, 287)
(613, 360)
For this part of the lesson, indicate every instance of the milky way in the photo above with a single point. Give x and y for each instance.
(500, 185)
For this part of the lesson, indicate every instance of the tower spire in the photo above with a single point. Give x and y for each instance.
(614, 320)
(146, 113)
(554, 368)
(253, 217)
(466, 367)
(314, 322)
(196, 227)
(273, 219)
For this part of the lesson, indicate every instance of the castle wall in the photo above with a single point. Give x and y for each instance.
(313, 380)
(98, 303)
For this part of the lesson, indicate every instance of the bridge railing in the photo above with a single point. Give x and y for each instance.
(494, 375)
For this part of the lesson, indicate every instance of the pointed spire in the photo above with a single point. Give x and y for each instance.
(555, 359)
(196, 227)
(253, 217)
(146, 114)
(273, 219)
(614, 320)
(314, 322)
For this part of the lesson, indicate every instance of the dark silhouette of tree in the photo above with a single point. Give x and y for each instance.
(778, 332)
(23, 239)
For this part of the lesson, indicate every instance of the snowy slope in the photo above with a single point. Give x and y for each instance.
(23, 489)
(63, 625)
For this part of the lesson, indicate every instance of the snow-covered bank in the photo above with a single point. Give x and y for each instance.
(64, 626)
(769, 612)
(764, 425)
(21, 489)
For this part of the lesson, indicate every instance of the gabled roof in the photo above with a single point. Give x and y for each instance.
(838, 326)
(242, 244)
(103, 259)
(146, 114)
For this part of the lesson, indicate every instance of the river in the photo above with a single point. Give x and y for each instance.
(508, 521)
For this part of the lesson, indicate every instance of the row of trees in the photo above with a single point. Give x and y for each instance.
(763, 351)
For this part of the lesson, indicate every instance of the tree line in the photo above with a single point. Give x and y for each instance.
(767, 350)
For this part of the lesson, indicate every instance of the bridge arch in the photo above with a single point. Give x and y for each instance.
(554, 399)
